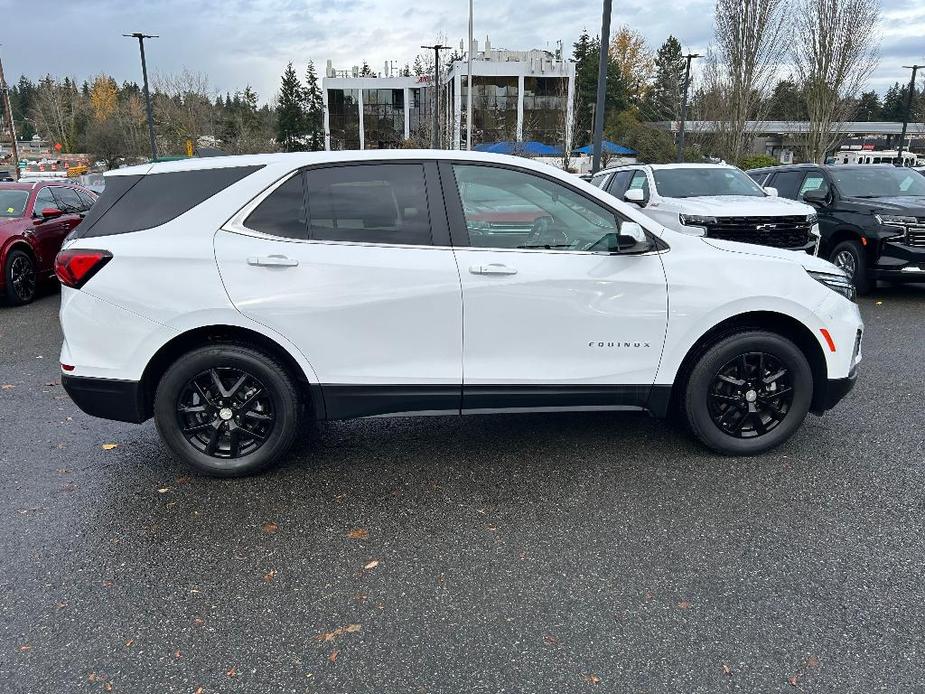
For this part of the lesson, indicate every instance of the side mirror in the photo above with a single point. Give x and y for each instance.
(771, 190)
(632, 239)
(815, 197)
(635, 195)
(51, 212)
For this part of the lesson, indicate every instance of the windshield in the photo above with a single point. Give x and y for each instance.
(878, 182)
(691, 182)
(13, 202)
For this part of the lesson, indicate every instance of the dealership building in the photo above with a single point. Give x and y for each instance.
(518, 96)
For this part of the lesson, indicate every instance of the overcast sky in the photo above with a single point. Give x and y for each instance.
(238, 42)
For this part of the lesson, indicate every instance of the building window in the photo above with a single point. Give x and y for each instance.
(344, 118)
(494, 108)
(545, 108)
(383, 118)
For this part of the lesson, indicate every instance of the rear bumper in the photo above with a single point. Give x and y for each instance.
(835, 389)
(107, 398)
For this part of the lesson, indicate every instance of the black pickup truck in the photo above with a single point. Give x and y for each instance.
(871, 217)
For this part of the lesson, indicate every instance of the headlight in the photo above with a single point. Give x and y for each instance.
(695, 220)
(837, 283)
(894, 220)
(812, 218)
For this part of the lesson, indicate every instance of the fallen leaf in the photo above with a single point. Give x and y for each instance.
(25, 647)
(812, 661)
(358, 534)
(550, 640)
(108, 686)
(163, 490)
(198, 621)
(339, 631)
(792, 680)
(684, 604)
(178, 655)
(270, 527)
(91, 677)
(7, 386)
(592, 679)
(360, 597)
(107, 584)
(371, 565)
(183, 480)
(491, 528)
(232, 672)
(109, 446)
(269, 576)
(199, 690)
(130, 643)
(333, 656)
(649, 595)
(727, 670)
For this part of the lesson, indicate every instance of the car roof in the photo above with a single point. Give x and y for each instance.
(30, 185)
(688, 165)
(300, 159)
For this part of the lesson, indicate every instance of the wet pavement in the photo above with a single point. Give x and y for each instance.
(517, 553)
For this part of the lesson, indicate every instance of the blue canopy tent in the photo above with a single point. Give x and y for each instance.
(609, 147)
(529, 147)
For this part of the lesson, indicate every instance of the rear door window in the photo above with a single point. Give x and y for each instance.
(814, 181)
(68, 200)
(787, 183)
(619, 182)
(44, 200)
(368, 203)
(282, 213)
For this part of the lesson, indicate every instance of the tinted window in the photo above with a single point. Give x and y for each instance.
(619, 183)
(758, 176)
(515, 209)
(132, 203)
(13, 202)
(368, 203)
(68, 200)
(788, 183)
(282, 213)
(692, 182)
(44, 200)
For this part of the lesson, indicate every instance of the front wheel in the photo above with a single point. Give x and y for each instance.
(20, 276)
(748, 393)
(849, 257)
(227, 410)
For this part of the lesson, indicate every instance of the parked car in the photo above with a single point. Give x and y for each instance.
(35, 218)
(226, 297)
(713, 200)
(872, 217)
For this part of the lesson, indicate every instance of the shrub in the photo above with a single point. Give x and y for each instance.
(757, 161)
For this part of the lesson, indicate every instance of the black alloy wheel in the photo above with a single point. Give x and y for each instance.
(225, 413)
(21, 279)
(227, 409)
(750, 395)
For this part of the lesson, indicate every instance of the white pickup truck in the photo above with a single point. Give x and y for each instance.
(714, 200)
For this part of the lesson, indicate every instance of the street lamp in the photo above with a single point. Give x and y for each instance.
(144, 73)
(687, 81)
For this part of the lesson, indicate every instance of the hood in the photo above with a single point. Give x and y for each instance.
(739, 205)
(810, 262)
(900, 204)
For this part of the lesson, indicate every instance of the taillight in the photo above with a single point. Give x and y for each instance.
(74, 267)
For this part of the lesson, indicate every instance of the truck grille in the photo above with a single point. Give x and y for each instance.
(780, 232)
(915, 235)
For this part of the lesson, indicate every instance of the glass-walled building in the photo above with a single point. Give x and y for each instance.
(517, 96)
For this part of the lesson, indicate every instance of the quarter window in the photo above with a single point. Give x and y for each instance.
(282, 213)
(514, 209)
(368, 203)
(44, 200)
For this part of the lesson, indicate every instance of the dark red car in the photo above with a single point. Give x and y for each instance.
(35, 218)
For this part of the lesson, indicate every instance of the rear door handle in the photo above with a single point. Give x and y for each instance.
(272, 261)
(492, 269)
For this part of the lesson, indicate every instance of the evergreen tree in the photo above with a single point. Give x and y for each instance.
(586, 54)
(290, 112)
(664, 99)
(787, 102)
(406, 71)
(418, 66)
(365, 70)
(314, 110)
(869, 107)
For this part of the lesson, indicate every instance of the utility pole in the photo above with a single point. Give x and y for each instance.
(144, 73)
(604, 59)
(8, 108)
(687, 82)
(435, 135)
(908, 114)
(469, 84)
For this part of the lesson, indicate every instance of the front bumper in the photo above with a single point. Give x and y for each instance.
(899, 262)
(107, 398)
(834, 390)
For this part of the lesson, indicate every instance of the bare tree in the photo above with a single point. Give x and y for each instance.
(750, 42)
(834, 52)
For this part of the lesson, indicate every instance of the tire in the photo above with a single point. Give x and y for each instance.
(731, 418)
(20, 278)
(237, 425)
(849, 256)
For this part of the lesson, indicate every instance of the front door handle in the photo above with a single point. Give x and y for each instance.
(272, 261)
(492, 269)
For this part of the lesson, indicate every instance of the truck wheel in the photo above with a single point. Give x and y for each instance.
(227, 410)
(20, 278)
(849, 256)
(748, 393)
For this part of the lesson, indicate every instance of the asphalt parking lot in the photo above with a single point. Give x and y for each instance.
(521, 553)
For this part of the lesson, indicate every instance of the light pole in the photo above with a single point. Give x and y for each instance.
(7, 106)
(687, 81)
(601, 89)
(908, 114)
(434, 136)
(144, 73)
(469, 84)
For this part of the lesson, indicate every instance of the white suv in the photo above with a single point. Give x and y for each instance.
(228, 297)
(714, 200)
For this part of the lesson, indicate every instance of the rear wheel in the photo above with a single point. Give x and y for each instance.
(849, 257)
(19, 273)
(748, 393)
(227, 410)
